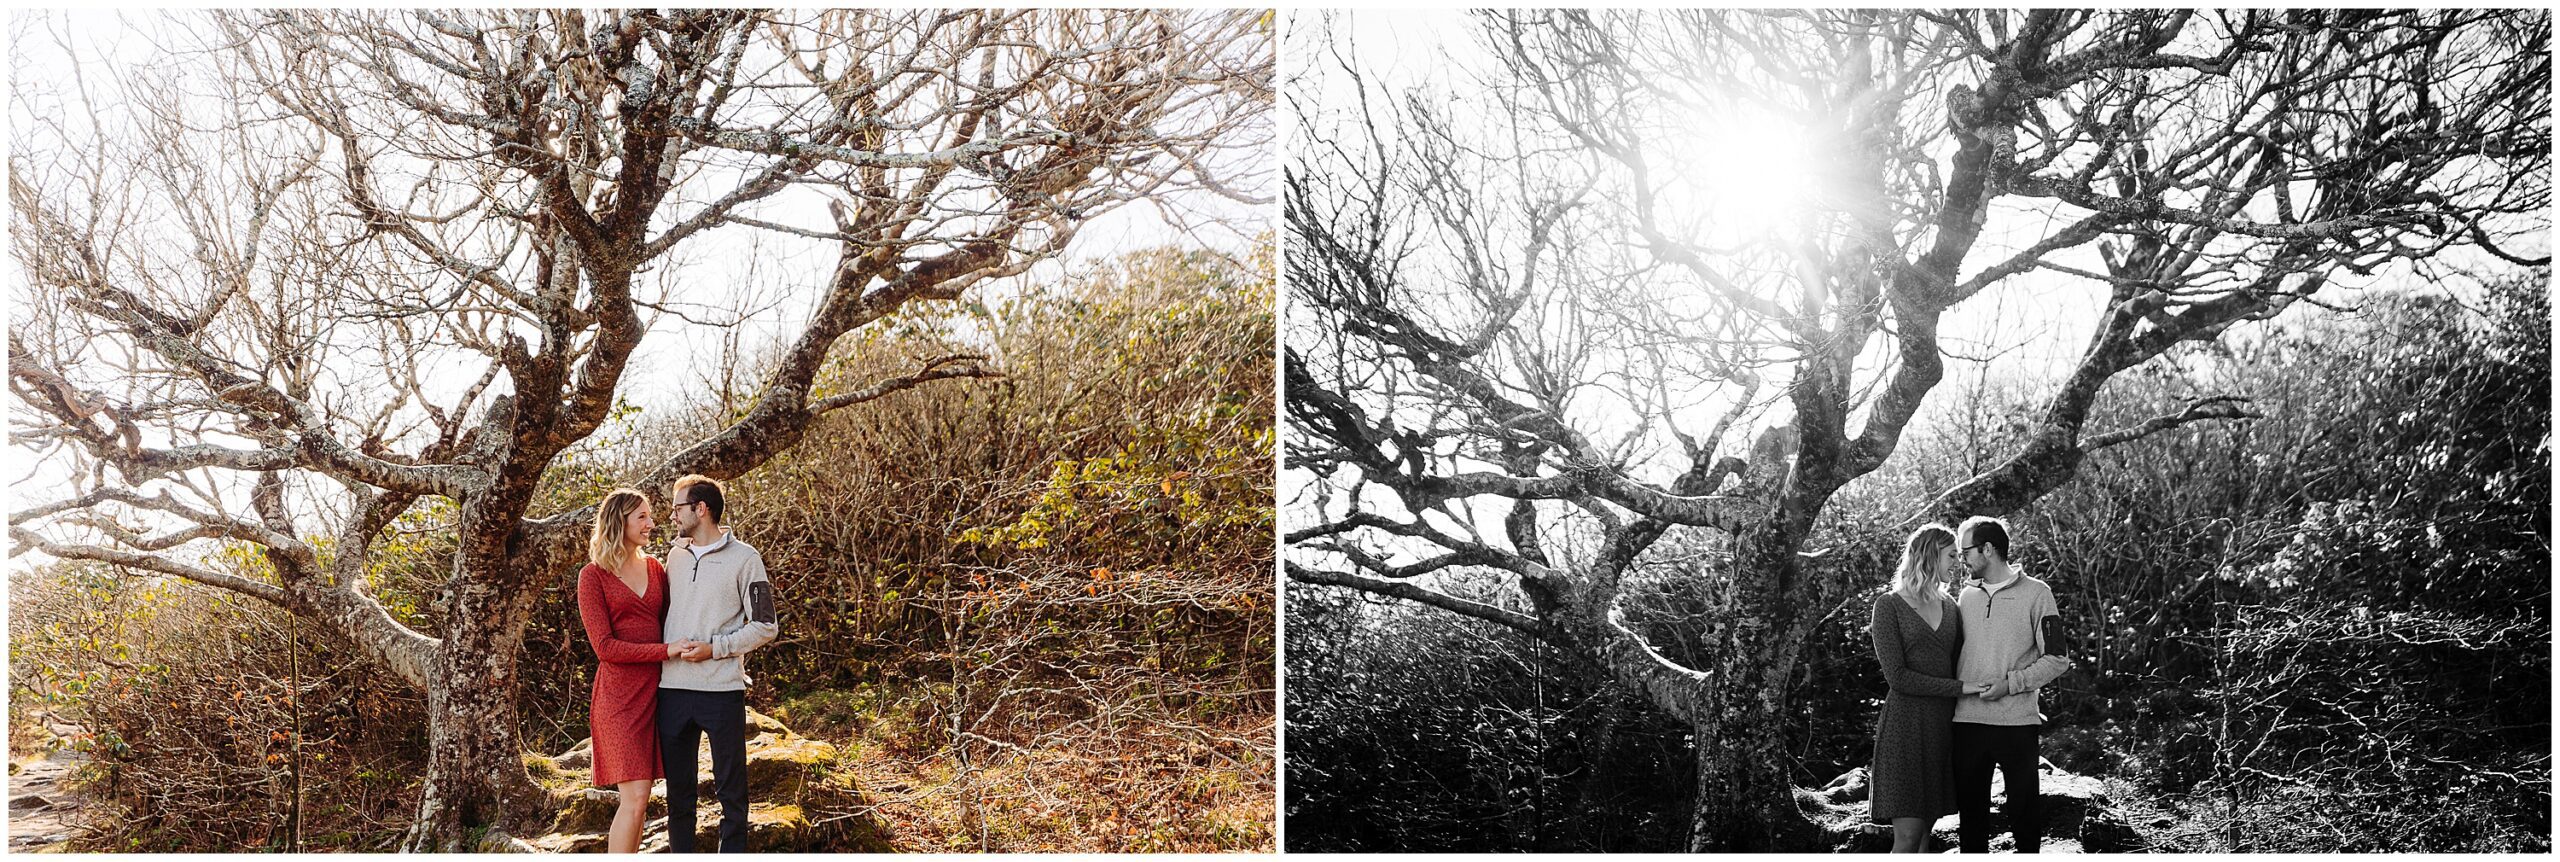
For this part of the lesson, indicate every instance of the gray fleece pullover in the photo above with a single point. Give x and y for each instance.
(717, 594)
(2004, 639)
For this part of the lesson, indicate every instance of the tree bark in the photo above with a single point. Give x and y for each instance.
(475, 758)
(1745, 785)
(1413, 379)
(540, 154)
(1735, 760)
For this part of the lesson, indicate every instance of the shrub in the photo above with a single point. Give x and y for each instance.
(213, 722)
(1121, 470)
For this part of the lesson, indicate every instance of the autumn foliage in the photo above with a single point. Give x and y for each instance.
(1034, 612)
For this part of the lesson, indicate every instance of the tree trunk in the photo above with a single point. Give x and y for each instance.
(1745, 795)
(1745, 800)
(475, 761)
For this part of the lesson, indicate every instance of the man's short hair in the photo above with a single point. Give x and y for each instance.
(698, 488)
(1986, 530)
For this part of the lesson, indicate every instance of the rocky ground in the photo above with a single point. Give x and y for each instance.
(793, 803)
(2079, 816)
(44, 813)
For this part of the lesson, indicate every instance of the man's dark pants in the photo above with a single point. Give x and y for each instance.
(1979, 747)
(684, 716)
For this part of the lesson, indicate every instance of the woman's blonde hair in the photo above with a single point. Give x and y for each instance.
(1922, 556)
(605, 545)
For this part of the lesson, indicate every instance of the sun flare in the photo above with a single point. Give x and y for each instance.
(1753, 178)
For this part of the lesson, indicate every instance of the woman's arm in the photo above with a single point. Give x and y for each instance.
(599, 623)
(1885, 632)
(2037, 673)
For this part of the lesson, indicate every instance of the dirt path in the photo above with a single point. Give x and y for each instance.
(43, 811)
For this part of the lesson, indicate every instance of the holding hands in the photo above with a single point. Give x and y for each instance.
(689, 650)
(2029, 675)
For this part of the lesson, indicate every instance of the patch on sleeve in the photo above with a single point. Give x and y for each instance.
(760, 601)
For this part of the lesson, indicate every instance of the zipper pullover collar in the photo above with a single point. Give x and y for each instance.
(694, 572)
(1991, 590)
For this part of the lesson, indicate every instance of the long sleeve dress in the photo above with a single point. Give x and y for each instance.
(1913, 773)
(623, 629)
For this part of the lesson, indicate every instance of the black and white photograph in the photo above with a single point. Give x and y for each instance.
(1990, 430)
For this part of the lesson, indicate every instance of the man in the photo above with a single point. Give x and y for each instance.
(2013, 645)
(719, 607)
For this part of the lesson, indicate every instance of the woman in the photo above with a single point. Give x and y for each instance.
(1916, 631)
(620, 594)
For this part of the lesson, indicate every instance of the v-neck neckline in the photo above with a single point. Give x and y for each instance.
(643, 592)
(1924, 618)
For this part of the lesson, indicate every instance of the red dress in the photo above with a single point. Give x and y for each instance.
(623, 629)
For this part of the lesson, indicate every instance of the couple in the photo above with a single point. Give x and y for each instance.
(1962, 673)
(670, 645)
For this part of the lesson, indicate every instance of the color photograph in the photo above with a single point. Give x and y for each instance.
(610, 431)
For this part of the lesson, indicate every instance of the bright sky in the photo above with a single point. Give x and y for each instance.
(2036, 324)
(2044, 312)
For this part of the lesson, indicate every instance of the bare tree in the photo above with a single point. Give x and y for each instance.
(1527, 345)
(336, 264)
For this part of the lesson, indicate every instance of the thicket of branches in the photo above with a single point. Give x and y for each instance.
(298, 278)
(2324, 629)
(211, 723)
(1538, 340)
(1078, 551)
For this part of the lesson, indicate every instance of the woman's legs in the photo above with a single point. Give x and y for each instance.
(631, 812)
(1910, 835)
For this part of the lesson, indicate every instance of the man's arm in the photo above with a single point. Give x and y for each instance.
(2056, 660)
(755, 593)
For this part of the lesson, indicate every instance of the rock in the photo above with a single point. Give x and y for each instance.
(500, 842)
(2068, 799)
(788, 811)
(2000, 843)
(771, 828)
(779, 764)
(782, 769)
(1839, 810)
(2076, 808)
(46, 814)
(581, 842)
(59, 842)
(1851, 786)
(579, 758)
(2105, 830)
(2077, 817)
(587, 810)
